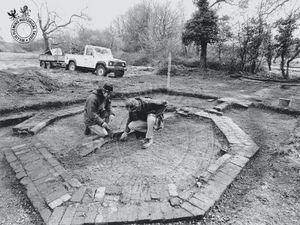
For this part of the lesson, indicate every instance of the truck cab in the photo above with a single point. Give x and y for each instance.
(97, 58)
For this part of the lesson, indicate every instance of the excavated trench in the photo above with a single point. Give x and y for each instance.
(183, 148)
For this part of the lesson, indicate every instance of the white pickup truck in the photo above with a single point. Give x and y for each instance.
(97, 58)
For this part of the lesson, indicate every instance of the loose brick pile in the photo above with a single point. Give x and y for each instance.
(226, 103)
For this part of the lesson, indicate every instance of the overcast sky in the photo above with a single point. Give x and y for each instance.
(102, 12)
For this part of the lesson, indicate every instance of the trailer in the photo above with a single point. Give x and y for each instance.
(52, 58)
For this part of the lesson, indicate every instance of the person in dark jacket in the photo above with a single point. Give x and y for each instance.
(144, 114)
(97, 111)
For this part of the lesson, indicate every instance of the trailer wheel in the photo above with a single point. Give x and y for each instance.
(42, 64)
(119, 73)
(101, 71)
(72, 66)
(48, 65)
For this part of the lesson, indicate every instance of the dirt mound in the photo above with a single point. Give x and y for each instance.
(272, 76)
(176, 70)
(29, 82)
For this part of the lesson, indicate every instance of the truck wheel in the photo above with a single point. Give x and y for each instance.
(101, 71)
(72, 66)
(119, 73)
(42, 64)
(48, 65)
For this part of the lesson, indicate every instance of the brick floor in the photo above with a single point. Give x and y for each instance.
(62, 199)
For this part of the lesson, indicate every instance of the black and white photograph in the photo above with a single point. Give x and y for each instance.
(175, 112)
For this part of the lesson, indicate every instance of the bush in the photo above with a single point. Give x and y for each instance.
(135, 58)
(176, 70)
(187, 62)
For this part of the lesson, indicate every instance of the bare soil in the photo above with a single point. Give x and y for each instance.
(267, 190)
(176, 154)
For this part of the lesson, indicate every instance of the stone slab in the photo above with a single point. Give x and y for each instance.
(167, 211)
(175, 201)
(10, 156)
(222, 178)
(100, 193)
(231, 169)
(92, 146)
(143, 212)
(113, 190)
(215, 166)
(45, 214)
(78, 218)
(112, 214)
(78, 195)
(68, 215)
(74, 182)
(18, 147)
(155, 211)
(180, 213)
(132, 213)
(172, 190)
(239, 160)
(56, 216)
(91, 215)
(59, 201)
(201, 204)
(195, 211)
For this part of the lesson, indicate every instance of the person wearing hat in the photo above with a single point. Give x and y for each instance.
(97, 111)
(144, 114)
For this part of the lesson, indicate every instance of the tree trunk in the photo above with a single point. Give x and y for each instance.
(282, 66)
(184, 50)
(270, 64)
(287, 70)
(203, 55)
(219, 50)
(253, 66)
(198, 50)
(46, 41)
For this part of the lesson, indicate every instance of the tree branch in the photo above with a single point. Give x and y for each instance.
(273, 7)
(297, 51)
(48, 19)
(220, 1)
(66, 24)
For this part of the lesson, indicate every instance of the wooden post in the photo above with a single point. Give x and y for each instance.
(169, 72)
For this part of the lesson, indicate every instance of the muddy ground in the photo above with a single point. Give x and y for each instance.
(266, 192)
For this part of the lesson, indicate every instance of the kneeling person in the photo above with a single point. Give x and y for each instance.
(97, 112)
(144, 113)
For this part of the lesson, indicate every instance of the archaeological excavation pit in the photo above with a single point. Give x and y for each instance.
(186, 170)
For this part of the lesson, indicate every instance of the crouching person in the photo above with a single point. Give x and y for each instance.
(97, 112)
(144, 115)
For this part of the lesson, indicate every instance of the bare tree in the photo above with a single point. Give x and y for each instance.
(49, 22)
(164, 28)
(150, 26)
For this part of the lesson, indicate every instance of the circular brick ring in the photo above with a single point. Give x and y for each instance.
(62, 199)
